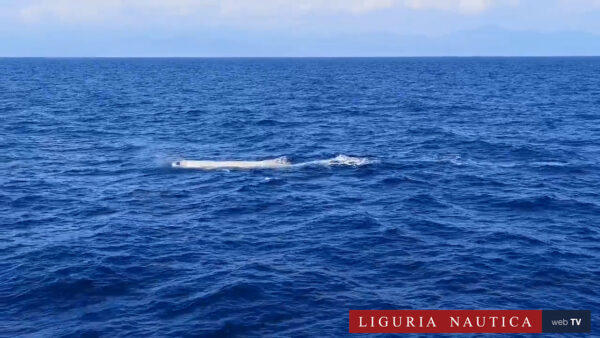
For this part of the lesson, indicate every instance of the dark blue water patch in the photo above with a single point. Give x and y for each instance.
(400, 180)
(548, 203)
(481, 191)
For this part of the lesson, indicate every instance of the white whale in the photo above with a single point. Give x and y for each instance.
(280, 162)
(276, 163)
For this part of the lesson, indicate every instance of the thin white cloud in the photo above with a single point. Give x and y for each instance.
(108, 10)
(99, 10)
(461, 6)
(464, 6)
(579, 5)
(288, 7)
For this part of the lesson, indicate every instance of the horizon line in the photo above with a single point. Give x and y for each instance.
(300, 57)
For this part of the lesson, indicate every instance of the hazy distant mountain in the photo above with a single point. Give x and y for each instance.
(488, 41)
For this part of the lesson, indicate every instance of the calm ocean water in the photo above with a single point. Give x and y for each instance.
(479, 189)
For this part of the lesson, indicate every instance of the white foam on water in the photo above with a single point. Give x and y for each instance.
(340, 160)
(276, 163)
(550, 164)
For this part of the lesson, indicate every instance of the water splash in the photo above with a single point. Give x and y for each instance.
(340, 160)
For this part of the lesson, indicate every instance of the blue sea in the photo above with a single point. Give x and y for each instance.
(416, 183)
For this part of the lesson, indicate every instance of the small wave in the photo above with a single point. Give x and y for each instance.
(340, 160)
(550, 164)
(276, 163)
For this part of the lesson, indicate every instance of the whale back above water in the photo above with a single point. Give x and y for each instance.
(276, 163)
(208, 165)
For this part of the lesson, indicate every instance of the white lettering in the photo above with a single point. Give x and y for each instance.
(482, 322)
(360, 322)
(399, 321)
(493, 321)
(383, 321)
(467, 322)
(431, 322)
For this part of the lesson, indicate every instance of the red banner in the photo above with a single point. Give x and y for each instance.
(445, 321)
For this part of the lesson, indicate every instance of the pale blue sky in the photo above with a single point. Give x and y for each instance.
(298, 27)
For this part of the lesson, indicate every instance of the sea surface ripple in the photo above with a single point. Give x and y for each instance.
(481, 191)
